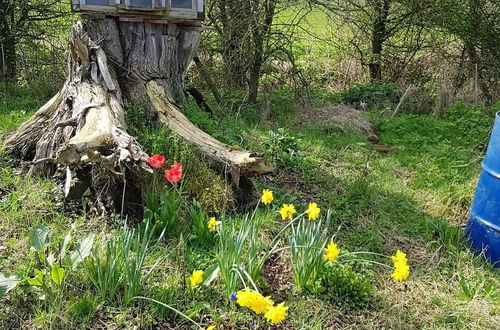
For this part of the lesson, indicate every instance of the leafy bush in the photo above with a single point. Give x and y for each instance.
(340, 285)
(280, 146)
(366, 97)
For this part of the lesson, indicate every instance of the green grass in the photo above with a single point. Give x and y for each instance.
(414, 198)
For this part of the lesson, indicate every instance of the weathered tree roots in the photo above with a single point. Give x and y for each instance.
(81, 132)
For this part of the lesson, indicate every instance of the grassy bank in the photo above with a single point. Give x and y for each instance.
(414, 198)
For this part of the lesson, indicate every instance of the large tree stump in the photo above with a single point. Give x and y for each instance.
(81, 132)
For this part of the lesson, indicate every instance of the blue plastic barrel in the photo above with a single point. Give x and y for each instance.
(483, 227)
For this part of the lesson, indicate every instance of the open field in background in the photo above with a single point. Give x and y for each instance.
(414, 197)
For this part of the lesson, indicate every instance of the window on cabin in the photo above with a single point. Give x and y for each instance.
(140, 3)
(97, 2)
(187, 4)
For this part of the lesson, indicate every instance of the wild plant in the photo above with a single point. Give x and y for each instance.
(307, 242)
(200, 231)
(53, 260)
(118, 267)
(241, 254)
(230, 255)
(162, 209)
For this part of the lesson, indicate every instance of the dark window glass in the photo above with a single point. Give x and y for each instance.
(182, 4)
(141, 3)
(97, 2)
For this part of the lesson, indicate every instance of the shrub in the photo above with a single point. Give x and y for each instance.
(280, 146)
(373, 95)
(345, 288)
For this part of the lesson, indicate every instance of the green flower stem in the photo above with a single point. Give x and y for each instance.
(361, 252)
(284, 228)
(169, 307)
(374, 262)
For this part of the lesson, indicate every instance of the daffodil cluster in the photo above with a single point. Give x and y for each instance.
(262, 305)
(401, 267)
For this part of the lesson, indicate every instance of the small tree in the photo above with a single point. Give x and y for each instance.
(376, 28)
(476, 24)
(18, 23)
(248, 37)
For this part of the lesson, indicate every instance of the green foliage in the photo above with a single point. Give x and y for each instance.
(369, 96)
(200, 234)
(476, 286)
(241, 254)
(229, 255)
(162, 210)
(343, 287)
(83, 308)
(307, 241)
(280, 146)
(118, 268)
(451, 237)
(51, 265)
(8, 282)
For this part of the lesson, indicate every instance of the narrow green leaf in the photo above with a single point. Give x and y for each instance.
(211, 274)
(57, 274)
(66, 241)
(8, 283)
(39, 237)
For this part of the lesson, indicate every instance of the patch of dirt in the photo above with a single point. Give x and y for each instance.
(278, 275)
(339, 117)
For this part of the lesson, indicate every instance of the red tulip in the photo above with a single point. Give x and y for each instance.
(174, 174)
(156, 161)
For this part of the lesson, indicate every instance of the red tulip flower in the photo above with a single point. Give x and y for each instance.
(174, 174)
(156, 161)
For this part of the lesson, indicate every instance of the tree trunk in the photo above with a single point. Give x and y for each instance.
(81, 132)
(8, 60)
(378, 39)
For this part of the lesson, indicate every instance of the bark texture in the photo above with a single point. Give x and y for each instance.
(81, 132)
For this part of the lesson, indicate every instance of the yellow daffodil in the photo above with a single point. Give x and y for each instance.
(401, 267)
(313, 211)
(213, 224)
(331, 252)
(276, 314)
(287, 211)
(254, 300)
(399, 256)
(267, 197)
(401, 271)
(212, 327)
(196, 278)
